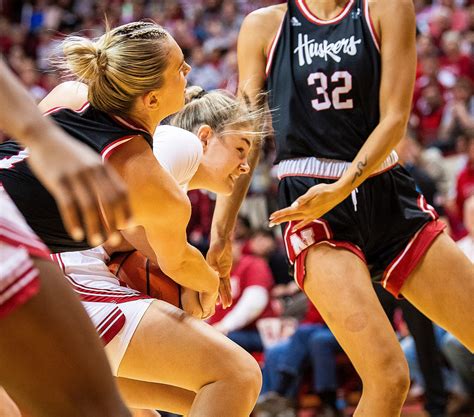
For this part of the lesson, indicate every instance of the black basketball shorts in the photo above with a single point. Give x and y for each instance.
(385, 221)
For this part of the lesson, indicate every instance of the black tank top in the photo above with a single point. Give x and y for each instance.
(100, 131)
(323, 79)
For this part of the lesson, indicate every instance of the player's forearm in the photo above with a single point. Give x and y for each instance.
(193, 272)
(19, 115)
(227, 207)
(373, 153)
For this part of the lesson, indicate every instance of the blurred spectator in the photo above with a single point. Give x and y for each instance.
(427, 113)
(466, 244)
(465, 180)
(314, 344)
(462, 362)
(203, 73)
(458, 115)
(453, 63)
(264, 244)
(251, 282)
(199, 225)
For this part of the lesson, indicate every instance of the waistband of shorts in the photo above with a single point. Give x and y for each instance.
(325, 168)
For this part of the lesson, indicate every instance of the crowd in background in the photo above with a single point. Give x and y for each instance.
(438, 150)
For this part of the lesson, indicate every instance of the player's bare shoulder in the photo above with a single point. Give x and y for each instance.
(262, 24)
(402, 11)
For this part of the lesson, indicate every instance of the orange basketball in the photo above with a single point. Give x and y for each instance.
(139, 273)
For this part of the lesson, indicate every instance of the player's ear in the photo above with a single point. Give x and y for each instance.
(204, 134)
(151, 100)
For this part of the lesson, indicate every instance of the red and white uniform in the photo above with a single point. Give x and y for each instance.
(116, 310)
(19, 278)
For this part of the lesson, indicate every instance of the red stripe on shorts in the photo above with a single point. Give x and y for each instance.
(403, 265)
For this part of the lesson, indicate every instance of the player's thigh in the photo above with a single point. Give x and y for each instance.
(171, 347)
(150, 395)
(442, 287)
(338, 283)
(52, 344)
(7, 407)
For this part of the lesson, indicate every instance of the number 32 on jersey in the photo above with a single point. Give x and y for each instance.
(323, 101)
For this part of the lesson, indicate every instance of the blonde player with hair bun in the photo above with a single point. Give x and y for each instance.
(205, 147)
(136, 77)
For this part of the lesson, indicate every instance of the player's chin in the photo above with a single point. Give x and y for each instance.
(226, 187)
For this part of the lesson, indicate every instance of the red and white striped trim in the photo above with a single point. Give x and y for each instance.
(98, 294)
(9, 230)
(314, 19)
(107, 151)
(325, 168)
(125, 123)
(398, 259)
(29, 242)
(426, 208)
(370, 25)
(56, 109)
(272, 47)
(29, 276)
(111, 325)
(403, 265)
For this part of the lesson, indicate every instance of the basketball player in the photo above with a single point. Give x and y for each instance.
(340, 74)
(210, 154)
(136, 76)
(41, 363)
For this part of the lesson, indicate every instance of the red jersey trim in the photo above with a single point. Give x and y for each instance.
(112, 147)
(56, 109)
(125, 123)
(304, 9)
(271, 49)
(370, 25)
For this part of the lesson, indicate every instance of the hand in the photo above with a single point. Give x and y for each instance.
(208, 303)
(190, 303)
(219, 257)
(91, 197)
(317, 201)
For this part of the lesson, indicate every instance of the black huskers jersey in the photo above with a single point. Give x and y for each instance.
(100, 131)
(323, 79)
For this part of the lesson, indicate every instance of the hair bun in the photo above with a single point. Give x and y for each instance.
(194, 93)
(102, 60)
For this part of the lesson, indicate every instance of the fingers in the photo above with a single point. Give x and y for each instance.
(190, 303)
(89, 208)
(208, 303)
(285, 215)
(69, 211)
(94, 204)
(302, 224)
(119, 201)
(113, 202)
(225, 292)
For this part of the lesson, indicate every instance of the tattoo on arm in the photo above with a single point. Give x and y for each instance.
(360, 169)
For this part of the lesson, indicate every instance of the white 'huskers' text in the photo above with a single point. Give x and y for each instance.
(307, 49)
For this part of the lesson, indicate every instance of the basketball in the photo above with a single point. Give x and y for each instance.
(139, 273)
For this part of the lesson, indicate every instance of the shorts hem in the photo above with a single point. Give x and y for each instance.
(300, 268)
(399, 270)
(20, 298)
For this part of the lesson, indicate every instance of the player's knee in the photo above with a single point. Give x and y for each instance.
(249, 375)
(393, 377)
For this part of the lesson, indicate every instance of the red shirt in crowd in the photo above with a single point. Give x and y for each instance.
(248, 271)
